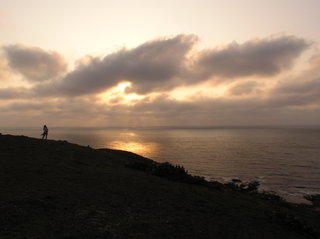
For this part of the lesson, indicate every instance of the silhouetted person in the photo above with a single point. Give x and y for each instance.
(45, 132)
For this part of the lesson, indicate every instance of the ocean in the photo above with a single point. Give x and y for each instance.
(284, 160)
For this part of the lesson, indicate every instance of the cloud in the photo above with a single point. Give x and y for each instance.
(4, 71)
(219, 111)
(244, 88)
(35, 64)
(23, 107)
(15, 93)
(163, 64)
(164, 110)
(161, 104)
(296, 93)
(166, 63)
(149, 67)
(303, 89)
(298, 87)
(264, 57)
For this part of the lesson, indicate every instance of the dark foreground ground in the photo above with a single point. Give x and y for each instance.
(54, 189)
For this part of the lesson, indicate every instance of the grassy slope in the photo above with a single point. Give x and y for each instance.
(54, 189)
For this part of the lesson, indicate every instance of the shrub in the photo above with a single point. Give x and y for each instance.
(166, 170)
(170, 171)
(314, 199)
(253, 186)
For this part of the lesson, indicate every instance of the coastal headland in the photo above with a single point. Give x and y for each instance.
(55, 189)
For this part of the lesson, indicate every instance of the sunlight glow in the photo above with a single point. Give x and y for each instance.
(198, 91)
(122, 87)
(129, 146)
(146, 149)
(118, 95)
(134, 142)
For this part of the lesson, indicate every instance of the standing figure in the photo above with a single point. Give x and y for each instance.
(45, 132)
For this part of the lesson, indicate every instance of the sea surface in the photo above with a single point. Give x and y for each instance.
(283, 160)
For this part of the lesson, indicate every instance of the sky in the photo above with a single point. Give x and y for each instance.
(159, 63)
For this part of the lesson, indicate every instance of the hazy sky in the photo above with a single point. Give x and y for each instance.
(157, 63)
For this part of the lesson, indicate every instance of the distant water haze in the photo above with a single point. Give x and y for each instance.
(284, 160)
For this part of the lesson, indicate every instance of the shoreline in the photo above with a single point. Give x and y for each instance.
(297, 197)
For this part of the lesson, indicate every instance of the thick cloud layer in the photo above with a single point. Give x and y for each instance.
(244, 88)
(302, 90)
(34, 63)
(159, 66)
(150, 67)
(15, 93)
(164, 64)
(265, 57)
(164, 110)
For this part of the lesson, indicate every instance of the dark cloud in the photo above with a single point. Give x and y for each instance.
(243, 111)
(23, 107)
(34, 63)
(304, 89)
(149, 67)
(15, 93)
(67, 112)
(265, 57)
(296, 93)
(164, 110)
(163, 64)
(214, 111)
(298, 87)
(244, 88)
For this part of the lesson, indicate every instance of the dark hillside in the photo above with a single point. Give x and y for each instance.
(54, 189)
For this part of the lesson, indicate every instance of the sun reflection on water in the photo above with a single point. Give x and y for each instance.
(133, 144)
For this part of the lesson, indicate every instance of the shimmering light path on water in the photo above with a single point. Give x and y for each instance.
(283, 160)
